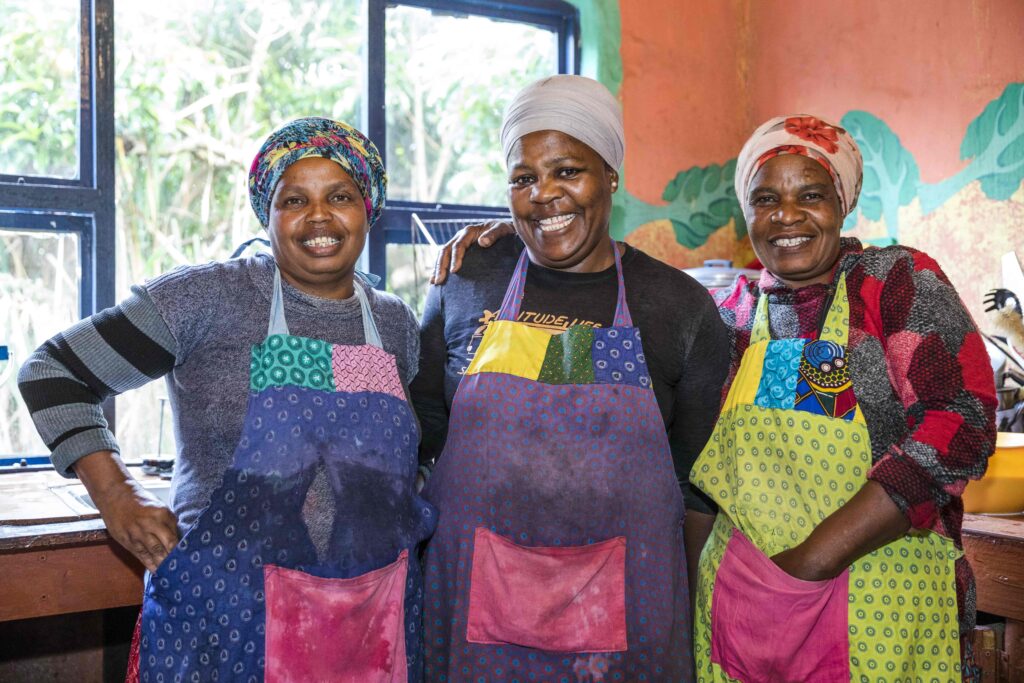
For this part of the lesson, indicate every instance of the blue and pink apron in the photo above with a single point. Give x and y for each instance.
(246, 595)
(559, 552)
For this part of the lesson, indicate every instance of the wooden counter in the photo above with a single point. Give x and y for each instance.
(56, 557)
(995, 549)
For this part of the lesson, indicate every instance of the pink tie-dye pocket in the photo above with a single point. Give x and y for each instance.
(344, 630)
(769, 627)
(560, 599)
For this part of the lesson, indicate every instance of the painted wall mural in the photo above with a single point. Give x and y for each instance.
(959, 220)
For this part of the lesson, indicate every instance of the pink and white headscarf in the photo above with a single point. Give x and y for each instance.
(826, 143)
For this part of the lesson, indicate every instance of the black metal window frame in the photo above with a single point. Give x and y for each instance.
(57, 222)
(82, 205)
(557, 16)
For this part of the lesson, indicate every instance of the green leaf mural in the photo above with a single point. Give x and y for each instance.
(891, 176)
(994, 143)
(700, 201)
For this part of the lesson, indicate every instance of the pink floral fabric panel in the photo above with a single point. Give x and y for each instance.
(365, 368)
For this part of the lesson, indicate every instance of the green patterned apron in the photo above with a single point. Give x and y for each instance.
(789, 449)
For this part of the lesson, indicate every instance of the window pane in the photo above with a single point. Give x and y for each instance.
(39, 86)
(448, 81)
(199, 87)
(409, 269)
(39, 293)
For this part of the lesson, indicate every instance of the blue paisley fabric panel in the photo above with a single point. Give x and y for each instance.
(780, 374)
(619, 357)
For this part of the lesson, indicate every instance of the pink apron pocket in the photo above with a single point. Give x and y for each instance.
(345, 630)
(559, 599)
(767, 626)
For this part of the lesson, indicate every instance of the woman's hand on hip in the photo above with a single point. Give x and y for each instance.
(449, 260)
(134, 517)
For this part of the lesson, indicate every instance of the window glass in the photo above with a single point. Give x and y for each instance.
(199, 86)
(39, 296)
(39, 88)
(409, 269)
(448, 79)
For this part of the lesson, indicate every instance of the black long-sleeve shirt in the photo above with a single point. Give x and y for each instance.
(684, 340)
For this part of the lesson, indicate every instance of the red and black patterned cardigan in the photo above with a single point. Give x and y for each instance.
(920, 374)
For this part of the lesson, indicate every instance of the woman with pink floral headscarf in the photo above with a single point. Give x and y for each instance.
(860, 402)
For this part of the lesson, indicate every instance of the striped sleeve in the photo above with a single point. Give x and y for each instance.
(67, 379)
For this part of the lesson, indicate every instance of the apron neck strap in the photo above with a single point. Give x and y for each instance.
(514, 294)
(278, 324)
(834, 325)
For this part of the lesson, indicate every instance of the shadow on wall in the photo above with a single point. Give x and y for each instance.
(702, 217)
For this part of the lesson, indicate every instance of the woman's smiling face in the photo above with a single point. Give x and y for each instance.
(318, 227)
(794, 217)
(560, 194)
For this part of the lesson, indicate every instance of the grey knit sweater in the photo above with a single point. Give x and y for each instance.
(195, 326)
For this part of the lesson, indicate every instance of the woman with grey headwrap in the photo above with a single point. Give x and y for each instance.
(567, 384)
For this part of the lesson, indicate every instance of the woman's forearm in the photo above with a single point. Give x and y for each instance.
(868, 521)
(133, 517)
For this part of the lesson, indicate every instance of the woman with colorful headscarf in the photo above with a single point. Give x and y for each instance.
(294, 480)
(567, 384)
(860, 402)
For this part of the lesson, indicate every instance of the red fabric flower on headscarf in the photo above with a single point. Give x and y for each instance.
(779, 151)
(814, 130)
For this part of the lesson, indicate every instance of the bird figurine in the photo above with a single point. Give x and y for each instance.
(1007, 317)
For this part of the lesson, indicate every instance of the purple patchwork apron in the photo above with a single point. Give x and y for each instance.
(559, 552)
(247, 595)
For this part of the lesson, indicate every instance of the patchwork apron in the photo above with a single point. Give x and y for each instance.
(245, 596)
(559, 553)
(790, 448)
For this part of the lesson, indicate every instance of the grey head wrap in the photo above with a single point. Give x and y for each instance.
(574, 105)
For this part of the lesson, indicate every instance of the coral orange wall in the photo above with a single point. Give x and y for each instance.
(698, 76)
(926, 68)
(680, 81)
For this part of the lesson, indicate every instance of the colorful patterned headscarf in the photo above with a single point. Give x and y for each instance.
(318, 137)
(828, 144)
(574, 105)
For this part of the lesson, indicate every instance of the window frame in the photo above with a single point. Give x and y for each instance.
(557, 16)
(92, 193)
(61, 223)
(84, 205)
